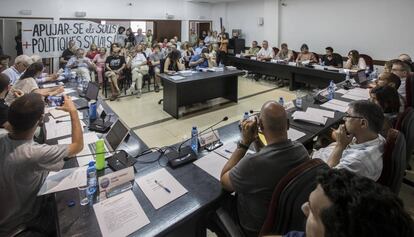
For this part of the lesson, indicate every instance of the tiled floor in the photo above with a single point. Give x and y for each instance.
(157, 128)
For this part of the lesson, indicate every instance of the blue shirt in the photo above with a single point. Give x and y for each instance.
(198, 50)
(197, 57)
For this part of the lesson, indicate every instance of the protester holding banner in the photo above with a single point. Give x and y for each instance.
(99, 62)
(115, 65)
(81, 64)
(67, 54)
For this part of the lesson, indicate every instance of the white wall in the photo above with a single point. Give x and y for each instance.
(245, 15)
(380, 28)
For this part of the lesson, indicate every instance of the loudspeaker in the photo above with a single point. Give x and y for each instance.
(260, 21)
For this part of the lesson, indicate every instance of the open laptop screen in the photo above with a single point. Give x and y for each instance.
(92, 91)
(116, 135)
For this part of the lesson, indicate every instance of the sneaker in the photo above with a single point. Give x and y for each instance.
(157, 89)
(139, 94)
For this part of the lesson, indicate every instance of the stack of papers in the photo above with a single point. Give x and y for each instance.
(120, 215)
(175, 78)
(212, 163)
(309, 117)
(294, 134)
(56, 130)
(63, 180)
(336, 105)
(160, 187)
(357, 94)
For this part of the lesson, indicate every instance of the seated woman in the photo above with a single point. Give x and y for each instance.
(172, 62)
(93, 51)
(305, 55)
(27, 84)
(44, 77)
(355, 62)
(388, 99)
(99, 61)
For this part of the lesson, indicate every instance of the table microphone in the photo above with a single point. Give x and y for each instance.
(186, 154)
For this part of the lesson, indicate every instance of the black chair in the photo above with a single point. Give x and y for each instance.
(405, 124)
(393, 161)
(368, 61)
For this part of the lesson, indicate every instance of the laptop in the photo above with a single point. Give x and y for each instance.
(92, 93)
(113, 139)
(361, 78)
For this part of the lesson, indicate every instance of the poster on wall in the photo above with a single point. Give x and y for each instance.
(50, 38)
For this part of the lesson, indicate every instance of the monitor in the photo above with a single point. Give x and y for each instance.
(116, 135)
(92, 91)
(361, 77)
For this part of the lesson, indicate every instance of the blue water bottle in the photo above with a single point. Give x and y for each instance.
(331, 90)
(281, 101)
(194, 139)
(298, 101)
(92, 111)
(245, 116)
(91, 177)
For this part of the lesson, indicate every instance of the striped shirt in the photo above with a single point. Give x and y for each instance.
(364, 159)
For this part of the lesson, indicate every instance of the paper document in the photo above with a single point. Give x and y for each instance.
(63, 180)
(317, 119)
(56, 130)
(336, 105)
(357, 94)
(342, 91)
(175, 78)
(85, 154)
(160, 187)
(227, 150)
(120, 215)
(294, 134)
(212, 163)
(68, 90)
(322, 112)
(49, 85)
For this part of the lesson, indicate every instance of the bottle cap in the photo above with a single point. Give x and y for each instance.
(91, 163)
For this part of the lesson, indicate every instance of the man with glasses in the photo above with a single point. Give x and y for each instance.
(359, 146)
(402, 70)
(21, 63)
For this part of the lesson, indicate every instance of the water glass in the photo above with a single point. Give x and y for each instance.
(83, 195)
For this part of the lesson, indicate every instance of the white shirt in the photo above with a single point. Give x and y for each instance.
(13, 74)
(265, 53)
(364, 159)
(138, 60)
(401, 89)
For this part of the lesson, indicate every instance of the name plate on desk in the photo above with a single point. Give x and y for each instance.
(209, 138)
(111, 181)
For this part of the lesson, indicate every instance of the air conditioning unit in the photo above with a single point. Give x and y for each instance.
(80, 14)
(169, 17)
(25, 12)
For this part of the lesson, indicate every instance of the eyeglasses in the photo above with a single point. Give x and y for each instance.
(350, 116)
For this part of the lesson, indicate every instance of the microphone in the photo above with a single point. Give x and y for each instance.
(254, 111)
(180, 157)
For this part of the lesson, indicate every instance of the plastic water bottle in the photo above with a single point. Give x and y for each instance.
(91, 175)
(298, 101)
(194, 139)
(331, 90)
(67, 73)
(281, 101)
(245, 116)
(374, 74)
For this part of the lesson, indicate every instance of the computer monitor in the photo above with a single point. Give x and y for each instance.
(361, 77)
(92, 91)
(116, 135)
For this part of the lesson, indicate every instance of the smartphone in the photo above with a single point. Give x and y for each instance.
(54, 101)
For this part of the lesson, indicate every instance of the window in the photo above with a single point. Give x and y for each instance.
(135, 25)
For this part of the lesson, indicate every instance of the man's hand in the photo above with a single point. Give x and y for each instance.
(68, 105)
(342, 138)
(18, 93)
(249, 131)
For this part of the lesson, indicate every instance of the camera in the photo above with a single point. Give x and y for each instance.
(54, 101)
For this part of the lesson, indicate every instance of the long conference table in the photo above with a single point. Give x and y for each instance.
(317, 76)
(184, 216)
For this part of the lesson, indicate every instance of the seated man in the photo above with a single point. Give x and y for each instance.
(266, 53)
(331, 58)
(199, 48)
(81, 64)
(392, 80)
(114, 66)
(155, 59)
(402, 70)
(4, 62)
(284, 53)
(345, 204)
(25, 164)
(67, 54)
(139, 69)
(4, 108)
(201, 60)
(407, 59)
(359, 146)
(252, 52)
(254, 177)
(21, 63)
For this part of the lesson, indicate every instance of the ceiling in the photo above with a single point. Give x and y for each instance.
(215, 1)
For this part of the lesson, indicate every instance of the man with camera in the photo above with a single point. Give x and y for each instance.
(254, 177)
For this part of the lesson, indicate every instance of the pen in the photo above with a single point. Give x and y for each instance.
(162, 186)
(228, 151)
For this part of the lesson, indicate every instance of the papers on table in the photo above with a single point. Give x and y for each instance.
(212, 163)
(226, 150)
(56, 130)
(85, 154)
(120, 215)
(294, 134)
(309, 117)
(49, 85)
(160, 187)
(357, 94)
(175, 78)
(341, 91)
(336, 105)
(322, 112)
(68, 90)
(63, 180)
(58, 113)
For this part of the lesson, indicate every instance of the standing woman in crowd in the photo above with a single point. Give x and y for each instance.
(355, 62)
(172, 62)
(99, 61)
(224, 44)
(27, 84)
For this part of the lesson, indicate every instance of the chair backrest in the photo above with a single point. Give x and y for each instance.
(368, 61)
(393, 161)
(316, 56)
(275, 50)
(295, 55)
(409, 91)
(407, 128)
(285, 213)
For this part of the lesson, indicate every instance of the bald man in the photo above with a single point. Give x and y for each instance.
(253, 177)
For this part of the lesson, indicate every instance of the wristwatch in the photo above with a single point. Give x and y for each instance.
(242, 146)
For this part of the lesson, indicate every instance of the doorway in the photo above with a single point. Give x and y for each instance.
(199, 27)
